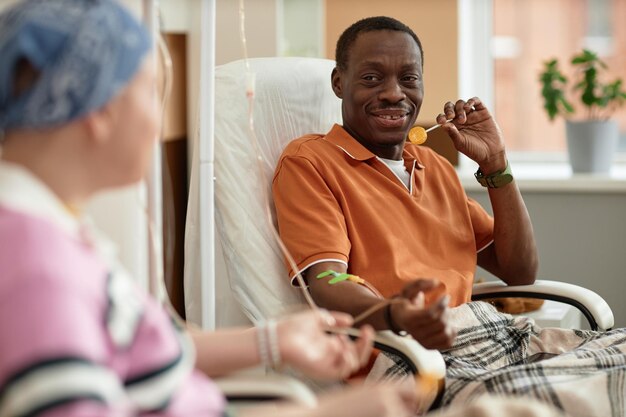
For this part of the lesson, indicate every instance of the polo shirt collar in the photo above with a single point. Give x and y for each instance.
(341, 138)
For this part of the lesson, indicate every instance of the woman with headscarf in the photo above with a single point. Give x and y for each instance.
(77, 336)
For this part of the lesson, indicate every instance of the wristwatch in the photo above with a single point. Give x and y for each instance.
(497, 179)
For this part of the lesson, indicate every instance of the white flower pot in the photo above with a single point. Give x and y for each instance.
(591, 145)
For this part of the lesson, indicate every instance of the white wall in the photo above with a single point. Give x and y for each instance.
(581, 238)
(121, 216)
(261, 29)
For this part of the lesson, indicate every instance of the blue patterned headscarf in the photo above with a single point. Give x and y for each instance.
(84, 51)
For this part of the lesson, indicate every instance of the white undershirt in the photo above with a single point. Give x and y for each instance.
(399, 170)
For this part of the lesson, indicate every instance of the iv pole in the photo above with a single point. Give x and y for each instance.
(206, 184)
(154, 180)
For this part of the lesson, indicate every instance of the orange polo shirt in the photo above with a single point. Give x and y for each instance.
(335, 200)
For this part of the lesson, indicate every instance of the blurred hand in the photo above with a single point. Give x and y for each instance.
(475, 133)
(384, 400)
(422, 311)
(305, 344)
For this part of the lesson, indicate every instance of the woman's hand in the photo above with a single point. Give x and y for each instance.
(305, 344)
(384, 400)
(475, 133)
(391, 399)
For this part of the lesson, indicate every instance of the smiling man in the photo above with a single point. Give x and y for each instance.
(362, 200)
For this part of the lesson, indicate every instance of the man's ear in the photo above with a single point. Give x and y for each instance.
(335, 81)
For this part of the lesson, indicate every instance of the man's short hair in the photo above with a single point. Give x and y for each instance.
(369, 24)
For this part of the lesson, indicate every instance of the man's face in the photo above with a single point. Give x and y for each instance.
(381, 89)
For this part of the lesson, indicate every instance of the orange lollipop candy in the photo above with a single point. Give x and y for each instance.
(418, 135)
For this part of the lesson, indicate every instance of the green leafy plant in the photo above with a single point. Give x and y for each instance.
(600, 100)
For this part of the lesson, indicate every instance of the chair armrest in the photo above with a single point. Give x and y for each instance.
(422, 361)
(419, 359)
(592, 305)
(248, 387)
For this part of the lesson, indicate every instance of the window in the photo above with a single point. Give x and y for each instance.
(301, 25)
(519, 37)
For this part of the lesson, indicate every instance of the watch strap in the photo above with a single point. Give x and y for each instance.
(497, 179)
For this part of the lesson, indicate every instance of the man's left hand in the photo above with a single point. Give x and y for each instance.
(475, 133)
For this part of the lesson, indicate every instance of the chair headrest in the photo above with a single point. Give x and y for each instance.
(293, 97)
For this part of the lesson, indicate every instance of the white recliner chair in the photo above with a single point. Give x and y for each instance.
(293, 96)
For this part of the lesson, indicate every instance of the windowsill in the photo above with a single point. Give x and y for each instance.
(552, 177)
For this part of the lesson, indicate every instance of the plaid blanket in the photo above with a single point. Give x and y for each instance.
(580, 372)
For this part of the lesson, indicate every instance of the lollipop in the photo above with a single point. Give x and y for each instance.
(418, 135)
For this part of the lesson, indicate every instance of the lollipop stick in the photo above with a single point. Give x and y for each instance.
(436, 126)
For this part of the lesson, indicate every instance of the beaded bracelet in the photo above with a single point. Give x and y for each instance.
(269, 351)
(262, 344)
(272, 338)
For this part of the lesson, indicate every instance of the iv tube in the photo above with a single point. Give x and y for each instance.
(250, 85)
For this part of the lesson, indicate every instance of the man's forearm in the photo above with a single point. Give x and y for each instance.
(426, 323)
(346, 296)
(513, 256)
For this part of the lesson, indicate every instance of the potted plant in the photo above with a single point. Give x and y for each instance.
(591, 141)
